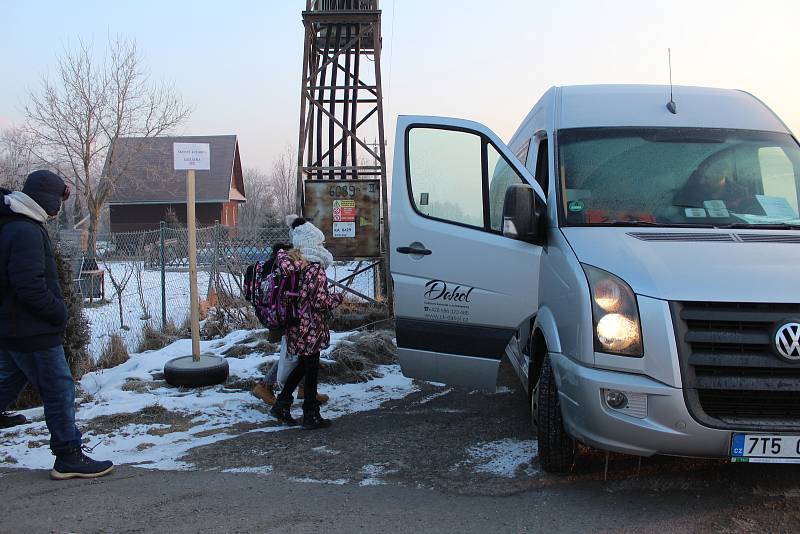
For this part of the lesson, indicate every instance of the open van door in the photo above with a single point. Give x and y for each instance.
(462, 289)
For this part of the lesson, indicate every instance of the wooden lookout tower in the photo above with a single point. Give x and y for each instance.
(341, 179)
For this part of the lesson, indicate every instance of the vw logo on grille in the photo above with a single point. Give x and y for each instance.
(787, 341)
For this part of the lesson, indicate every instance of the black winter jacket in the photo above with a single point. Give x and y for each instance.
(33, 314)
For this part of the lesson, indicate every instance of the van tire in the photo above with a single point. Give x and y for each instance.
(556, 447)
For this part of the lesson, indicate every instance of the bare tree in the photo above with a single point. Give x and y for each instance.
(16, 156)
(139, 261)
(79, 114)
(260, 206)
(120, 281)
(283, 184)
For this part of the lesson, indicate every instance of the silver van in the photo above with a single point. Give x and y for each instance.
(637, 263)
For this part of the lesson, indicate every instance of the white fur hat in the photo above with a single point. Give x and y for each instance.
(308, 239)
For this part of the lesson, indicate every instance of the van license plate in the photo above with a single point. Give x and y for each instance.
(765, 448)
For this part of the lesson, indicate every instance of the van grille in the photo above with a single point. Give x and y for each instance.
(731, 376)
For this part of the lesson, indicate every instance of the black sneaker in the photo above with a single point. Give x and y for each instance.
(7, 420)
(75, 464)
(314, 421)
(283, 415)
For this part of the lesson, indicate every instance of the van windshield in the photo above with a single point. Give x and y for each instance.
(678, 177)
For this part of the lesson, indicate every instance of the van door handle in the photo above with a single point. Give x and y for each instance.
(412, 250)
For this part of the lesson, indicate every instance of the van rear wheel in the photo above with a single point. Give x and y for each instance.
(556, 447)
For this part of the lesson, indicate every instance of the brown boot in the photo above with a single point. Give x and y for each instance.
(265, 392)
(321, 397)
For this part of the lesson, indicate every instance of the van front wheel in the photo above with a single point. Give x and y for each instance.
(556, 447)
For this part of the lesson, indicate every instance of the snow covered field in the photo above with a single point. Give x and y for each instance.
(197, 417)
(104, 318)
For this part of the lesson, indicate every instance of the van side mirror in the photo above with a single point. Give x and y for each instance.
(523, 214)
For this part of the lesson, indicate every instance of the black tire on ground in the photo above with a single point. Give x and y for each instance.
(182, 372)
(556, 447)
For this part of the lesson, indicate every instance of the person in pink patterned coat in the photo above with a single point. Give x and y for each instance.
(311, 334)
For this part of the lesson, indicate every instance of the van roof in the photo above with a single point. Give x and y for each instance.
(584, 106)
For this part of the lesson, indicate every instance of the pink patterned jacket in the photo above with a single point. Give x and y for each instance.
(312, 334)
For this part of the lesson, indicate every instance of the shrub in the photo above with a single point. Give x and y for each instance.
(29, 398)
(230, 314)
(77, 334)
(114, 353)
(155, 338)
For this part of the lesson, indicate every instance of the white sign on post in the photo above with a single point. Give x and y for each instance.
(192, 156)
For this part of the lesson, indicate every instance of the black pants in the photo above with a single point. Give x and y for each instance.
(307, 367)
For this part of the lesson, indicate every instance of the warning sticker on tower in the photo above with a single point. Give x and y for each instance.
(344, 218)
(344, 211)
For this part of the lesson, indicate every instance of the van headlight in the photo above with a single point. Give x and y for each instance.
(615, 314)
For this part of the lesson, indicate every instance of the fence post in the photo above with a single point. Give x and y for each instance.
(162, 231)
(215, 266)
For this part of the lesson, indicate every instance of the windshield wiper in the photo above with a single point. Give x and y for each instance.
(763, 226)
(653, 224)
(630, 223)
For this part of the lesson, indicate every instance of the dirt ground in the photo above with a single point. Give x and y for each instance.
(403, 467)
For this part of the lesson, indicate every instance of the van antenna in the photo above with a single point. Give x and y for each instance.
(671, 106)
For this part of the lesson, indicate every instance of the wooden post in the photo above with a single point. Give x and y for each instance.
(191, 225)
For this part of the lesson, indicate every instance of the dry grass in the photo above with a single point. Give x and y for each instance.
(114, 353)
(356, 358)
(150, 415)
(140, 386)
(243, 349)
(351, 315)
(154, 338)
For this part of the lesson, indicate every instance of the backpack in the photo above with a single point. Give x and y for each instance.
(274, 296)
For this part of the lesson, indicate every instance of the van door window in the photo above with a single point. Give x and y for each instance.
(542, 167)
(458, 177)
(445, 174)
(501, 175)
(522, 153)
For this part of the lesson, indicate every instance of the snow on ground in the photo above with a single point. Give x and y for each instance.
(104, 317)
(259, 470)
(111, 413)
(336, 482)
(372, 474)
(503, 457)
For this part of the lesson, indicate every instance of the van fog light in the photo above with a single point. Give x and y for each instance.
(616, 399)
(617, 332)
(627, 402)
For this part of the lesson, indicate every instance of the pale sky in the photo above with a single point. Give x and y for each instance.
(239, 62)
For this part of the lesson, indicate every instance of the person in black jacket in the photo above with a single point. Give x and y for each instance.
(33, 318)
